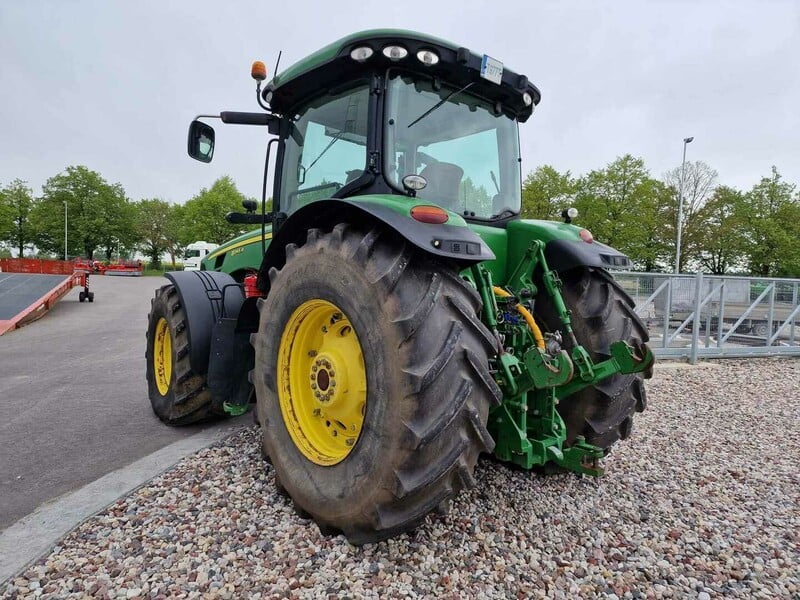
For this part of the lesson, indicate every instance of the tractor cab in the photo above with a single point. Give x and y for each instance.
(390, 112)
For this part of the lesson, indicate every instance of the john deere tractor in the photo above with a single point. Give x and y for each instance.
(394, 317)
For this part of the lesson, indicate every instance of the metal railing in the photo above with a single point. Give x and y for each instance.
(706, 316)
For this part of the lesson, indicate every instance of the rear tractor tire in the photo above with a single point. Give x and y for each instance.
(371, 372)
(602, 313)
(178, 395)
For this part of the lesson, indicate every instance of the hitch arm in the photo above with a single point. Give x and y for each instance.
(625, 359)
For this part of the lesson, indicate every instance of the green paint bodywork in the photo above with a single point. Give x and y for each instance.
(510, 244)
(239, 255)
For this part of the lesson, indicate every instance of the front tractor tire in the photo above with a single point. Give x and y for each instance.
(371, 373)
(177, 394)
(601, 313)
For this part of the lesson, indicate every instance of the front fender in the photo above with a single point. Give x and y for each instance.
(564, 248)
(453, 241)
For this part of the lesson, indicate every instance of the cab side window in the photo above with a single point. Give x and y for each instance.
(326, 148)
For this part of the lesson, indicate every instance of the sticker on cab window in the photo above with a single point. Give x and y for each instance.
(491, 69)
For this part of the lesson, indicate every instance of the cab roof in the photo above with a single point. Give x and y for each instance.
(332, 65)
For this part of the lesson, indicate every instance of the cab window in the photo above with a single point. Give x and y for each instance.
(326, 148)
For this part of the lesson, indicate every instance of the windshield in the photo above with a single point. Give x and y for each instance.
(468, 155)
(192, 254)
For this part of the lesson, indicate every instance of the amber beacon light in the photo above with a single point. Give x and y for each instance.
(258, 71)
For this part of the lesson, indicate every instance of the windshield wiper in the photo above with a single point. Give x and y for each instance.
(438, 104)
(328, 147)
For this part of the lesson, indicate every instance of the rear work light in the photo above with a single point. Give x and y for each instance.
(428, 57)
(361, 53)
(429, 214)
(395, 52)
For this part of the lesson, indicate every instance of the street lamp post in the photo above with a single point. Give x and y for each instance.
(65, 230)
(680, 208)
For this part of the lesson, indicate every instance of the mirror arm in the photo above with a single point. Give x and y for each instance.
(248, 218)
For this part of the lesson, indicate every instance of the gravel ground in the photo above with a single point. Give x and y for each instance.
(703, 501)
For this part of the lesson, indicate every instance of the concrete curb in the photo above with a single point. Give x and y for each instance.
(35, 534)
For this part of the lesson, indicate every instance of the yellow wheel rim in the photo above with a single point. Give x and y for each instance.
(162, 356)
(322, 383)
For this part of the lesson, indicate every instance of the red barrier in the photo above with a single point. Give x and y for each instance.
(36, 265)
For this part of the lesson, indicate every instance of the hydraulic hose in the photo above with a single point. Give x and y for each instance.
(537, 333)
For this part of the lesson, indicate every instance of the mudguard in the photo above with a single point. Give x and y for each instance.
(562, 255)
(564, 247)
(217, 348)
(201, 294)
(456, 243)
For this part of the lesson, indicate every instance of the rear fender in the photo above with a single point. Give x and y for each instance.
(218, 346)
(452, 242)
(201, 294)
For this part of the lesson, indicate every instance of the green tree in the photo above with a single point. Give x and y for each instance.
(152, 223)
(624, 207)
(720, 240)
(16, 203)
(99, 214)
(546, 193)
(773, 217)
(172, 232)
(203, 217)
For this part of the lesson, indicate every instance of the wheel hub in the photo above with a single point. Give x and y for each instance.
(322, 382)
(162, 356)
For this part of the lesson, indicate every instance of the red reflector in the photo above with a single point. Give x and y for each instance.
(250, 289)
(586, 236)
(429, 214)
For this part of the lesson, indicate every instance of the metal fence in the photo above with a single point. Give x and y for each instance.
(705, 316)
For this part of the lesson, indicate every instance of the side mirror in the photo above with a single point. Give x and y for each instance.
(201, 141)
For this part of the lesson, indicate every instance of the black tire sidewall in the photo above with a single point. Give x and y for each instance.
(162, 403)
(368, 461)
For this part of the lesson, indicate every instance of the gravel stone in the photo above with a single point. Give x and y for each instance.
(702, 502)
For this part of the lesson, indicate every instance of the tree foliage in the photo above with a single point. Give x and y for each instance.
(546, 193)
(718, 241)
(772, 212)
(203, 217)
(99, 215)
(152, 224)
(624, 207)
(699, 181)
(16, 203)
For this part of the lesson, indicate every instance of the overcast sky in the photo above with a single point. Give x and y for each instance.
(114, 85)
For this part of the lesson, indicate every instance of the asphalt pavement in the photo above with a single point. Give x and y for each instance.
(73, 397)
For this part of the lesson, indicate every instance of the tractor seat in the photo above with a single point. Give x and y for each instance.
(444, 184)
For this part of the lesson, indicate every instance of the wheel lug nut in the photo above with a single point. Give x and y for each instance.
(313, 386)
(332, 373)
(315, 368)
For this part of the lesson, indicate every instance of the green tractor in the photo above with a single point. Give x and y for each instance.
(393, 317)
